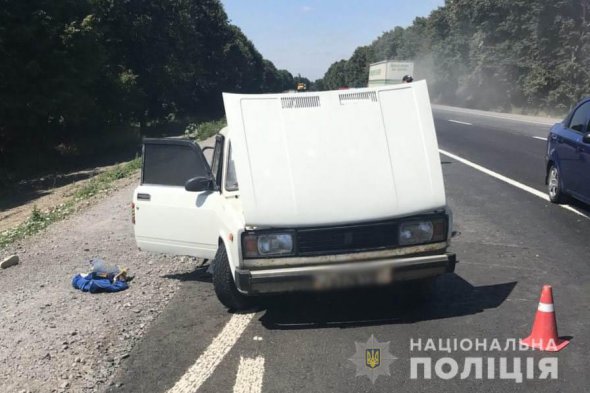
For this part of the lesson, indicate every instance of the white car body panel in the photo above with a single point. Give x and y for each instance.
(176, 221)
(335, 157)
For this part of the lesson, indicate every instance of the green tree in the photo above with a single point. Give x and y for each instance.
(357, 67)
(490, 54)
(77, 74)
(335, 77)
(51, 66)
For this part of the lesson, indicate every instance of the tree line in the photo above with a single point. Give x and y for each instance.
(525, 55)
(80, 78)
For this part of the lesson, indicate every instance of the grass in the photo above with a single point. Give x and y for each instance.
(103, 182)
(39, 220)
(36, 222)
(204, 130)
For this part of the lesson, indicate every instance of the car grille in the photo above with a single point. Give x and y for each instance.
(372, 236)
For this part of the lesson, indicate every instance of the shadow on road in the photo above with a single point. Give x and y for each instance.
(581, 206)
(452, 297)
(200, 274)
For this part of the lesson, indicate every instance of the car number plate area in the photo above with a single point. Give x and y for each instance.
(354, 278)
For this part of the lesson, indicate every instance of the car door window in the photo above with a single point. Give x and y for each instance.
(172, 163)
(231, 180)
(579, 120)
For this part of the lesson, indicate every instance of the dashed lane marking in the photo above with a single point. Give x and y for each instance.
(540, 138)
(460, 122)
(508, 180)
(195, 376)
(250, 375)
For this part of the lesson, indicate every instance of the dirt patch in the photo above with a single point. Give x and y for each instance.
(45, 193)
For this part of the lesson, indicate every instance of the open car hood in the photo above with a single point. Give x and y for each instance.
(335, 157)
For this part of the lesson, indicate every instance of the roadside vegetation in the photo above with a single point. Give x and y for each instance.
(99, 184)
(204, 130)
(95, 186)
(84, 79)
(528, 56)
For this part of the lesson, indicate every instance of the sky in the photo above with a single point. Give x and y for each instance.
(307, 36)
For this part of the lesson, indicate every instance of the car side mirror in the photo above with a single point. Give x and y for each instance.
(199, 183)
(586, 138)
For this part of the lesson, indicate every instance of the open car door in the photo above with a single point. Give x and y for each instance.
(168, 218)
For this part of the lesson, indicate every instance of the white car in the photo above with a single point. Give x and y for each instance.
(305, 191)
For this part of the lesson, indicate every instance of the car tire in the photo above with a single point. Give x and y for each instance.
(556, 194)
(225, 286)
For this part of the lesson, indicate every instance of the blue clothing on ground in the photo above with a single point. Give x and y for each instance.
(97, 282)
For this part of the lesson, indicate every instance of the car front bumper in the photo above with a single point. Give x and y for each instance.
(343, 275)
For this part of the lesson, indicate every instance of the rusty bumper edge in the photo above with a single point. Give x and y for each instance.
(254, 282)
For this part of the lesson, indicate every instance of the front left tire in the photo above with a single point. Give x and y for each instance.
(556, 194)
(224, 284)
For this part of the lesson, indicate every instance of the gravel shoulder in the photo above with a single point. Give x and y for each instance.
(54, 338)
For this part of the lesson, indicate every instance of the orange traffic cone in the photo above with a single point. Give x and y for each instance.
(544, 334)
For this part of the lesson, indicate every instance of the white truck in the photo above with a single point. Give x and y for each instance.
(389, 72)
(304, 192)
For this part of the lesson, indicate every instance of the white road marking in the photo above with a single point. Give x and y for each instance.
(508, 180)
(195, 376)
(250, 375)
(460, 122)
(257, 338)
(497, 116)
(540, 138)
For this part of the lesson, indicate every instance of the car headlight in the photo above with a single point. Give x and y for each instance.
(419, 232)
(267, 244)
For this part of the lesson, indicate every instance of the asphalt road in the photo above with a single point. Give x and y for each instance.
(509, 242)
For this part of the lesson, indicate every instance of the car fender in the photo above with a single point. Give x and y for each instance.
(231, 244)
(552, 158)
(231, 226)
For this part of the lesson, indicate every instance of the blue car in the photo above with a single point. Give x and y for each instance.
(568, 156)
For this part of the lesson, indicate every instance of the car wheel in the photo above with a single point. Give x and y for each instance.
(554, 190)
(224, 285)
